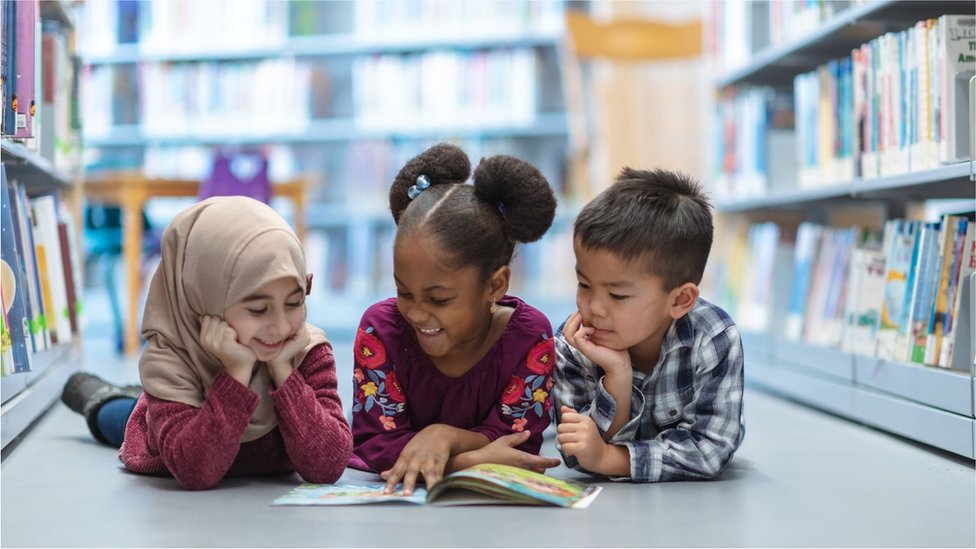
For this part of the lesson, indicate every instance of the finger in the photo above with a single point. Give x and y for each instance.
(570, 449)
(572, 323)
(393, 477)
(566, 428)
(410, 480)
(544, 462)
(568, 438)
(516, 439)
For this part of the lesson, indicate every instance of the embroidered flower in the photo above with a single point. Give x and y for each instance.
(393, 388)
(519, 424)
(369, 351)
(358, 375)
(542, 357)
(369, 389)
(513, 392)
(539, 395)
(388, 422)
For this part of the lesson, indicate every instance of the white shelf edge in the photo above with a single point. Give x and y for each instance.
(850, 189)
(772, 54)
(951, 432)
(324, 45)
(542, 124)
(42, 389)
(16, 154)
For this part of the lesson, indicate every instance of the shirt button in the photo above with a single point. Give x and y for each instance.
(673, 413)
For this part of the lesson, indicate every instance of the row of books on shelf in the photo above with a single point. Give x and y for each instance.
(38, 79)
(741, 28)
(41, 275)
(897, 104)
(481, 88)
(895, 295)
(162, 27)
(494, 88)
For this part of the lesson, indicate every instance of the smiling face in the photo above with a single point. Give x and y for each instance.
(628, 307)
(266, 318)
(447, 306)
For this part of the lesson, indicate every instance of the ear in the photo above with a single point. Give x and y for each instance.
(682, 299)
(308, 283)
(498, 283)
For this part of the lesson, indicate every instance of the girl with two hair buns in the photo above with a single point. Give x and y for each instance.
(453, 371)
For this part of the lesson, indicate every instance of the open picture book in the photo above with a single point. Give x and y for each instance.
(483, 484)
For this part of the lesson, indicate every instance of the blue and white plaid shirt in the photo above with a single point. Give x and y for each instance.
(685, 416)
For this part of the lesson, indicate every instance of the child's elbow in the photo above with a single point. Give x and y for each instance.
(199, 483)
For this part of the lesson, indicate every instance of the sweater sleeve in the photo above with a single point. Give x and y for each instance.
(380, 422)
(199, 445)
(310, 418)
(525, 403)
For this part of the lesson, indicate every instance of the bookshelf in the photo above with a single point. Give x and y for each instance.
(36, 170)
(921, 402)
(359, 87)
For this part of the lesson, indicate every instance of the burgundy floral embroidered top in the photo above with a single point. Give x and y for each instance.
(398, 391)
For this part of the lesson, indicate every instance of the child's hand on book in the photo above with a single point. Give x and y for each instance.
(426, 454)
(615, 363)
(503, 450)
(579, 437)
(218, 338)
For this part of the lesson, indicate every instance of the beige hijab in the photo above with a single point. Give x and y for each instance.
(214, 254)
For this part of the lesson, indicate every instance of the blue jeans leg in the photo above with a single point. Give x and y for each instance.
(112, 418)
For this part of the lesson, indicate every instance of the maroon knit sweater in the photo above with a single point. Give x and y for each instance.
(200, 446)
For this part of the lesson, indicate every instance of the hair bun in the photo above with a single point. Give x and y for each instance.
(520, 192)
(442, 164)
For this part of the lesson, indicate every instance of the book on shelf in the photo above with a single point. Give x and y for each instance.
(484, 484)
(15, 305)
(23, 102)
(48, 243)
(898, 268)
(952, 241)
(920, 293)
(23, 215)
(957, 39)
(967, 265)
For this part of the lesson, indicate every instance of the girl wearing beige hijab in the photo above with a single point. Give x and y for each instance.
(236, 382)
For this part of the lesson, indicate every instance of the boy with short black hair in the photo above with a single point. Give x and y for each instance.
(648, 384)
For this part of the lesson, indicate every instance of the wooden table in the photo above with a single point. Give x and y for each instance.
(131, 191)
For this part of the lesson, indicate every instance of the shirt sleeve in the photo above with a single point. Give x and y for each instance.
(702, 447)
(525, 403)
(380, 422)
(578, 384)
(199, 445)
(310, 418)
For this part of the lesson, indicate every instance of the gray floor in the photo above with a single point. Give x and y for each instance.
(801, 478)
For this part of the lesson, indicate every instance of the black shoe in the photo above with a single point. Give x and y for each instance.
(86, 393)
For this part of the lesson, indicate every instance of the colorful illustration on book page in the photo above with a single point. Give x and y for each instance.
(346, 494)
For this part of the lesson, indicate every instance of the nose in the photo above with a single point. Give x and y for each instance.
(593, 307)
(415, 314)
(279, 323)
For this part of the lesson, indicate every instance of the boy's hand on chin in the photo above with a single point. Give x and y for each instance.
(612, 361)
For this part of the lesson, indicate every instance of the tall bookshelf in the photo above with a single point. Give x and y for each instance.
(353, 90)
(44, 164)
(932, 405)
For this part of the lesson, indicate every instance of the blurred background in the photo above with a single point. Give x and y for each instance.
(341, 94)
(832, 136)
